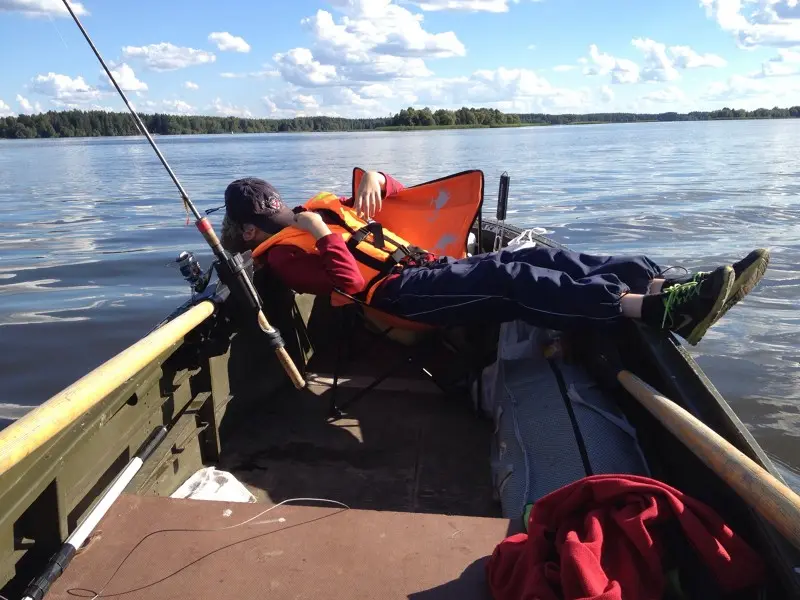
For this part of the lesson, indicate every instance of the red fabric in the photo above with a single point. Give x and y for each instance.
(333, 267)
(600, 538)
(319, 274)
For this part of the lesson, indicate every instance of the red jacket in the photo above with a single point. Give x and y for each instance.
(604, 537)
(333, 267)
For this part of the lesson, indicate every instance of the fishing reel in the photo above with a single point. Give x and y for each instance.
(192, 272)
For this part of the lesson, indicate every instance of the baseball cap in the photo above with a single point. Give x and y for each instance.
(252, 200)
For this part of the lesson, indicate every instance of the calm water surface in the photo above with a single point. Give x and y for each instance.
(89, 226)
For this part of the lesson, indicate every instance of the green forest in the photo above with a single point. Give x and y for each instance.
(78, 123)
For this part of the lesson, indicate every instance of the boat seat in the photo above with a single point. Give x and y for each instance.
(449, 207)
(290, 552)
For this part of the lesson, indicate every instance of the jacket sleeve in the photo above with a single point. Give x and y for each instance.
(392, 185)
(318, 274)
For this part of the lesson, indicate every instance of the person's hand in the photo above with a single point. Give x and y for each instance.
(368, 201)
(312, 223)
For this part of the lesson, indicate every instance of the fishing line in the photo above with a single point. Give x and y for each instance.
(58, 31)
(96, 595)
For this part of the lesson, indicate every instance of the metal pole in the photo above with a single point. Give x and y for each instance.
(37, 589)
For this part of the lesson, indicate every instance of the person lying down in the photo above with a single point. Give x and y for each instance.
(546, 287)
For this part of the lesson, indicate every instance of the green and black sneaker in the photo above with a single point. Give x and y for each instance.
(690, 308)
(747, 273)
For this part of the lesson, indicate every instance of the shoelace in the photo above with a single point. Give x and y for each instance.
(662, 274)
(676, 295)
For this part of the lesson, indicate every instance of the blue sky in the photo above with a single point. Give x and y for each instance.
(269, 58)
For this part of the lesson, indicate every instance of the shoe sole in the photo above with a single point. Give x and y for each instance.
(700, 329)
(745, 283)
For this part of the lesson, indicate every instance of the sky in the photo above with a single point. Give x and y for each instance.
(362, 58)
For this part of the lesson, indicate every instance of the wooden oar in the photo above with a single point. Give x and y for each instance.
(769, 497)
(773, 500)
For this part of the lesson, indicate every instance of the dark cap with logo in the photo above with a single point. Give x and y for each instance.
(252, 200)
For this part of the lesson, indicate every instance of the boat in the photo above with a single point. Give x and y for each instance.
(406, 449)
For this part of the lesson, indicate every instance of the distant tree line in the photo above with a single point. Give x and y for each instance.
(411, 117)
(78, 123)
(724, 113)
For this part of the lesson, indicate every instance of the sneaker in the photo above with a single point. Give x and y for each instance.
(691, 308)
(747, 273)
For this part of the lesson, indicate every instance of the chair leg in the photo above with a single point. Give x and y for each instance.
(343, 339)
(375, 383)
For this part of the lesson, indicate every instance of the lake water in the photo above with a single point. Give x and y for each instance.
(88, 228)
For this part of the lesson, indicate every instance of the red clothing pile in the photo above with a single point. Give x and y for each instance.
(600, 538)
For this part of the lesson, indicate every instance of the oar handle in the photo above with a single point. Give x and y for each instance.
(769, 497)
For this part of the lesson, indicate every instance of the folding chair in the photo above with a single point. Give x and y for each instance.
(448, 208)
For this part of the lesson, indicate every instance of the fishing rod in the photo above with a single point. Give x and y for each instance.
(232, 268)
(38, 588)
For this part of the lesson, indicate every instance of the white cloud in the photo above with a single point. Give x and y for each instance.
(670, 94)
(385, 68)
(26, 105)
(376, 90)
(686, 58)
(251, 74)
(377, 40)
(224, 109)
(657, 65)
(64, 90)
(228, 43)
(606, 94)
(660, 63)
(750, 93)
(564, 68)
(168, 57)
(5, 110)
(191, 85)
(126, 79)
(509, 90)
(495, 6)
(786, 63)
(378, 28)
(178, 107)
(622, 70)
(531, 46)
(139, 106)
(420, 43)
(299, 67)
(289, 104)
(758, 22)
(354, 102)
(38, 8)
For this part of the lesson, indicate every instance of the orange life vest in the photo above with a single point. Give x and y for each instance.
(436, 215)
(376, 250)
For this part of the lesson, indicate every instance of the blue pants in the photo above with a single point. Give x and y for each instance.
(550, 288)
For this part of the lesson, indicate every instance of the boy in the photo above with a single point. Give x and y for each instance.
(550, 288)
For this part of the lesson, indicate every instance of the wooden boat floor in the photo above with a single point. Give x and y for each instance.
(405, 446)
(297, 552)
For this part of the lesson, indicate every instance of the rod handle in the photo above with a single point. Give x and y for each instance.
(283, 356)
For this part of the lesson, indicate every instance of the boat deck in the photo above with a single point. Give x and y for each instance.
(179, 549)
(405, 446)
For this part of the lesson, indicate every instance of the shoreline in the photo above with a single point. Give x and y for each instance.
(405, 128)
